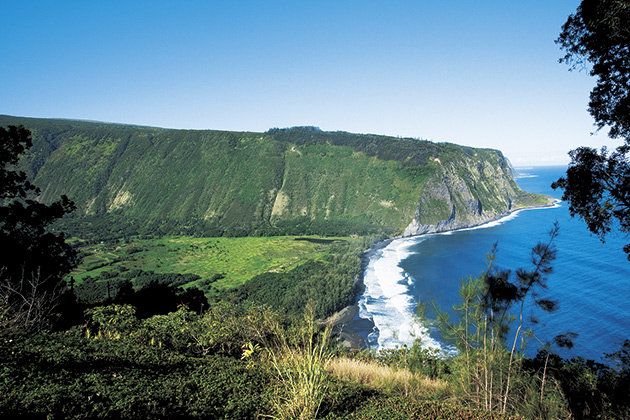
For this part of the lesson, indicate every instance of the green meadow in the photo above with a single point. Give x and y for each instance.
(233, 260)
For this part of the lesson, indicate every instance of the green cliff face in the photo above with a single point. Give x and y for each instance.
(468, 190)
(299, 180)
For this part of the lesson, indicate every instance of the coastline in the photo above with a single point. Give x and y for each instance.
(340, 320)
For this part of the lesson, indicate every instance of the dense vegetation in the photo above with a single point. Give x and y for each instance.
(180, 365)
(129, 180)
(121, 374)
(291, 272)
(232, 328)
(243, 362)
(331, 284)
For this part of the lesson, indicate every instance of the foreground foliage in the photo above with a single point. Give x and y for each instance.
(66, 375)
(238, 362)
(597, 183)
(227, 363)
(33, 258)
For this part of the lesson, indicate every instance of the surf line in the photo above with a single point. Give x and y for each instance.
(386, 300)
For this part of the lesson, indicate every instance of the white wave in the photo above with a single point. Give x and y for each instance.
(387, 300)
(523, 176)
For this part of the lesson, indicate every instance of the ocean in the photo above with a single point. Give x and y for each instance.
(590, 279)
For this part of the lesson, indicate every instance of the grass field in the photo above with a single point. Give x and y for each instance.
(236, 259)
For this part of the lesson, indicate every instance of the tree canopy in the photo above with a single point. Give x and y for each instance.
(34, 259)
(597, 183)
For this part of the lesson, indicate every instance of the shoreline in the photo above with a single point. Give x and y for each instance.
(339, 321)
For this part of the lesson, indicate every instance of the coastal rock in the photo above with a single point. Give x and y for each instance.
(468, 193)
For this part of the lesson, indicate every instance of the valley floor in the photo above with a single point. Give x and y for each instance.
(221, 263)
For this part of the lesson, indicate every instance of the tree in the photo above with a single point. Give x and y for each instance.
(33, 260)
(597, 183)
(488, 370)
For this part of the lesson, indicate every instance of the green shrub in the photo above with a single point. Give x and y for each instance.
(343, 397)
(65, 375)
(397, 407)
(112, 321)
(418, 359)
(173, 330)
(226, 328)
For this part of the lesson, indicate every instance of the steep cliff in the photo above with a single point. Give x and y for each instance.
(129, 179)
(467, 192)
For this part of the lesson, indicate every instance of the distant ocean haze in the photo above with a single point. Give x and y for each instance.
(590, 280)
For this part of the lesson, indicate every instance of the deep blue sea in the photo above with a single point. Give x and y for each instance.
(590, 281)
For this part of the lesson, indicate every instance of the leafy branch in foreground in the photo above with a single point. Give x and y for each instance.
(33, 260)
(597, 183)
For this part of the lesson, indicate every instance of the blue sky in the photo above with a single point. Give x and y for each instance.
(480, 73)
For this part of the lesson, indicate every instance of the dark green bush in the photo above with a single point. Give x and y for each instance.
(343, 397)
(381, 407)
(592, 389)
(65, 375)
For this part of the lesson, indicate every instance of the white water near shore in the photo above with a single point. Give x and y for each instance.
(387, 300)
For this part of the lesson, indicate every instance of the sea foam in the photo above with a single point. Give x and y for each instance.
(387, 299)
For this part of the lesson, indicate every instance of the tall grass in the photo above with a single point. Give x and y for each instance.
(300, 362)
(377, 376)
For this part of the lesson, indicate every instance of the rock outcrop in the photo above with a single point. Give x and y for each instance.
(465, 193)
